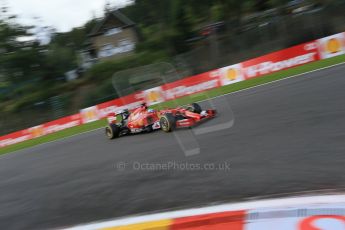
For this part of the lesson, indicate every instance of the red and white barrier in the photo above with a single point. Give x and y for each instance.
(40, 130)
(288, 58)
(281, 60)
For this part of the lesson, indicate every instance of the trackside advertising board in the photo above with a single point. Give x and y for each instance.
(41, 130)
(288, 58)
(191, 85)
(231, 74)
(332, 46)
(15, 138)
(281, 60)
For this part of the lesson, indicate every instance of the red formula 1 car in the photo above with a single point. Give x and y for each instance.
(143, 119)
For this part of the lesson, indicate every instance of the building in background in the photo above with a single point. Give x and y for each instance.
(114, 37)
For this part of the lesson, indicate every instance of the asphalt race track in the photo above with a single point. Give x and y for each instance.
(288, 136)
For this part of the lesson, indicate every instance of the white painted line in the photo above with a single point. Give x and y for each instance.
(242, 90)
(268, 203)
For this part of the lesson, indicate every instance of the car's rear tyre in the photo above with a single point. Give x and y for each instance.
(112, 131)
(167, 122)
(194, 107)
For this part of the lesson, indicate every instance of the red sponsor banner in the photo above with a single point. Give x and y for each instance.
(281, 60)
(40, 130)
(15, 138)
(234, 220)
(191, 85)
(108, 107)
(131, 98)
(102, 110)
(113, 106)
(61, 124)
(170, 91)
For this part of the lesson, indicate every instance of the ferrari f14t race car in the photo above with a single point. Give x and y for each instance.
(143, 119)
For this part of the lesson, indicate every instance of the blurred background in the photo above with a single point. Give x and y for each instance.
(46, 74)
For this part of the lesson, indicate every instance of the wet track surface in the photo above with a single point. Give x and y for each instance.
(288, 136)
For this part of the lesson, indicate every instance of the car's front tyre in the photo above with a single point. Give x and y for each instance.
(167, 122)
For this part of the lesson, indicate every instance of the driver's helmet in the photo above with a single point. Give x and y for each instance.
(125, 114)
(151, 110)
(144, 105)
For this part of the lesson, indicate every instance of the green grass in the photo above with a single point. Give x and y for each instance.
(182, 101)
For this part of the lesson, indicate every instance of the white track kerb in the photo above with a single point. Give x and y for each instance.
(242, 90)
(271, 208)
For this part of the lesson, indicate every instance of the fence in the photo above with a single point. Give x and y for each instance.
(264, 33)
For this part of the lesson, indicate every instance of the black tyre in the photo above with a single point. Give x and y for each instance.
(194, 107)
(112, 131)
(167, 122)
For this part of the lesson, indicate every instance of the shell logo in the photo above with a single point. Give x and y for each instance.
(37, 131)
(231, 74)
(333, 45)
(153, 96)
(90, 115)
